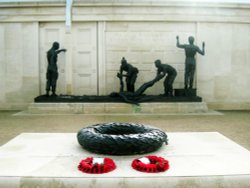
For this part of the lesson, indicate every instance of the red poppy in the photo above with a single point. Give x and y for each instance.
(87, 166)
(155, 164)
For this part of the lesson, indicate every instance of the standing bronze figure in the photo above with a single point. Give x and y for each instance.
(52, 72)
(190, 62)
(130, 76)
(162, 70)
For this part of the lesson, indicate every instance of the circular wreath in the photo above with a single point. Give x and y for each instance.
(150, 164)
(88, 166)
(121, 138)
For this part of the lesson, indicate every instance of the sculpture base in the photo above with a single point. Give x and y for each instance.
(155, 108)
(185, 93)
(115, 104)
(115, 99)
(196, 159)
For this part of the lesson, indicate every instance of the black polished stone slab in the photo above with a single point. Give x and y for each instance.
(185, 92)
(107, 99)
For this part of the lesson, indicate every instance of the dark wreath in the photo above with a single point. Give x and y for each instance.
(121, 138)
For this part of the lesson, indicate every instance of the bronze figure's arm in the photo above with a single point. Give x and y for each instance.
(59, 51)
(178, 43)
(202, 52)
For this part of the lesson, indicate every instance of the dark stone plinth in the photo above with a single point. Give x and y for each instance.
(185, 92)
(76, 99)
(115, 99)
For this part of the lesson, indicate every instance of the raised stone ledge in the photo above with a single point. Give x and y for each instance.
(206, 159)
(24, 3)
(117, 108)
(180, 3)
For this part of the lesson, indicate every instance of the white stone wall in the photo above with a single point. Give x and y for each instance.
(18, 61)
(224, 74)
(142, 31)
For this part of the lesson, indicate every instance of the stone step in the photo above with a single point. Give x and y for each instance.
(118, 108)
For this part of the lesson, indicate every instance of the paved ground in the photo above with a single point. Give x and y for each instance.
(233, 124)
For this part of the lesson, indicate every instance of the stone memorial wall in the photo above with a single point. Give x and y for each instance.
(102, 32)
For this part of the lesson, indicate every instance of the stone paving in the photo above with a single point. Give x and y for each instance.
(232, 124)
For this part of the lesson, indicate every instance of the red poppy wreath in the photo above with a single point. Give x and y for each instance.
(97, 165)
(150, 164)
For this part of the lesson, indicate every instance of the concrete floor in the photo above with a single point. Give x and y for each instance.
(233, 124)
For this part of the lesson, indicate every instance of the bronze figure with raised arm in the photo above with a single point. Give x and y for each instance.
(52, 72)
(190, 62)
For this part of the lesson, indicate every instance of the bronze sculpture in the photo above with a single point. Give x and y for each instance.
(190, 62)
(136, 97)
(131, 95)
(52, 72)
(163, 69)
(130, 76)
